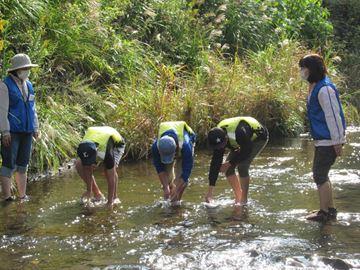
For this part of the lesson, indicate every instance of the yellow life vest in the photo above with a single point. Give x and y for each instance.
(101, 136)
(231, 124)
(178, 127)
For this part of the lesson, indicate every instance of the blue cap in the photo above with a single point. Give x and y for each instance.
(167, 149)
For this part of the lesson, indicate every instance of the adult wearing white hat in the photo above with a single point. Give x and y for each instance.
(18, 124)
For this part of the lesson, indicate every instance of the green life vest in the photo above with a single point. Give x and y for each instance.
(231, 124)
(101, 136)
(178, 127)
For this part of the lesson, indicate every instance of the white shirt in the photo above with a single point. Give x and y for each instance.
(330, 106)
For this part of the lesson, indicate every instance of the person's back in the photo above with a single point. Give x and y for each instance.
(245, 137)
(173, 150)
(100, 144)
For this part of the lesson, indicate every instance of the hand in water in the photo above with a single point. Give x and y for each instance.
(86, 196)
(167, 192)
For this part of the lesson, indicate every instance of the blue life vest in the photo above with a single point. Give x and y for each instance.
(318, 127)
(21, 113)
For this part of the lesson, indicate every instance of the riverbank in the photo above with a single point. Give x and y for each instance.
(132, 64)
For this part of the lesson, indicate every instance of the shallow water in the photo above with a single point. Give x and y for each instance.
(53, 231)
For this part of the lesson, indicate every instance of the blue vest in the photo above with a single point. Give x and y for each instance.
(318, 127)
(21, 113)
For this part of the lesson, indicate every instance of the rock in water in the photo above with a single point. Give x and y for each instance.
(337, 263)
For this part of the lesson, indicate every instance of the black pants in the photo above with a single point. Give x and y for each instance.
(324, 158)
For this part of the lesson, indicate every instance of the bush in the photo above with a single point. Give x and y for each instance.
(254, 24)
(345, 16)
(132, 64)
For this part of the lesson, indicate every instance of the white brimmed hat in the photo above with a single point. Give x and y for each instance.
(19, 61)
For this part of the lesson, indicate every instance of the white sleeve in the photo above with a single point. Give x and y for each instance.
(118, 153)
(4, 109)
(330, 106)
(36, 119)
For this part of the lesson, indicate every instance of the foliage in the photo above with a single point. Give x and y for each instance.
(345, 16)
(132, 64)
(238, 26)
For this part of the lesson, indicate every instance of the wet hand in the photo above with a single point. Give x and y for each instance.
(6, 140)
(338, 149)
(167, 192)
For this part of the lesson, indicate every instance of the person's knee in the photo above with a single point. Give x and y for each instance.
(78, 165)
(243, 171)
(6, 172)
(230, 171)
(21, 169)
(320, 179)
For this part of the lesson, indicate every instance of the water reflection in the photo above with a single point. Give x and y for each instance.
(53, 230)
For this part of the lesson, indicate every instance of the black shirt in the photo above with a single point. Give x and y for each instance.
(243, 135)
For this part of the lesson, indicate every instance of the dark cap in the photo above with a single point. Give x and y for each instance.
(216, 138)
(87, 153)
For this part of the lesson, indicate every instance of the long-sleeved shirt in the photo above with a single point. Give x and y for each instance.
(4, 104)
(330, 106)
(186, 155)
(243, 136)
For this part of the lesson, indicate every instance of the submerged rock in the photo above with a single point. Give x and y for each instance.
(336, 263)
(253, 253)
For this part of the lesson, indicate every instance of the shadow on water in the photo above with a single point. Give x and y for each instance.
(53, 231)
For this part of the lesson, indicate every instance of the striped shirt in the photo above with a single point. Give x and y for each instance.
(330, 106)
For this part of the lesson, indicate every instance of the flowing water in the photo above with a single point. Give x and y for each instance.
(53, 231)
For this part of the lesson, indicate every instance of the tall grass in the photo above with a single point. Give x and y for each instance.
(132, 64)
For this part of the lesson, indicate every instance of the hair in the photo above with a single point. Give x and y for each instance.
(316, 66)
(14, 72)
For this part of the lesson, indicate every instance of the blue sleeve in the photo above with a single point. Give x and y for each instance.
(156, 158)
(187, 158)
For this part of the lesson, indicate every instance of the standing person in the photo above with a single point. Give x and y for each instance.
(174, 150)
(327, 127)
(246, 138)
(102, 144)
(18, 125)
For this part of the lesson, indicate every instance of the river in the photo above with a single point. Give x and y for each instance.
(53, 231)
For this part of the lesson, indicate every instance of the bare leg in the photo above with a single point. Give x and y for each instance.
(244, 183)
(86, 174)
(331, 202)
(209, 194)
(110, 178)
(6, 186)
(116, 185)
(325, 195)
(20, 179)
(235, 185)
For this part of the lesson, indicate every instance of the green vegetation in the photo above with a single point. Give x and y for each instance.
(345, 16)
(131, 64)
